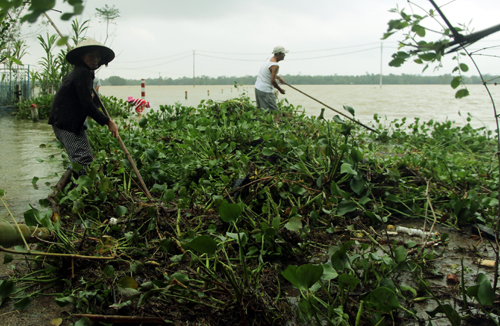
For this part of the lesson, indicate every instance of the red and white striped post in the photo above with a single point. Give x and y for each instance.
(143, 89)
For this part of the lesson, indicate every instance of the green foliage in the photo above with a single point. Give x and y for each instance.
(423, 52)
(245, 209)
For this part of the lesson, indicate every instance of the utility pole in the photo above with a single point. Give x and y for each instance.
(381, 56)
(193, 68)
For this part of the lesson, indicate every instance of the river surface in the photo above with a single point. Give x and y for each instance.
(25, 143)
(427, 102)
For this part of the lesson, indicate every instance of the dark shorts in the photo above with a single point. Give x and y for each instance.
(266, 101)
(76, 145)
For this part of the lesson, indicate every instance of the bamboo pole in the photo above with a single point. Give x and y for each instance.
(122, 319)
(124, 148)
(12, 235)
(359, 123)
(51, 254)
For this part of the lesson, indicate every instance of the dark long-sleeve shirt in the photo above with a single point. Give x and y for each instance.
(73, 102)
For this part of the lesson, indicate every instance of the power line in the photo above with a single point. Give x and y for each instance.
(309, 58)
(261, 53)
(161, 58)
(158, 64)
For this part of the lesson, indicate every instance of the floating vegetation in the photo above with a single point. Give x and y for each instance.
(262, 219)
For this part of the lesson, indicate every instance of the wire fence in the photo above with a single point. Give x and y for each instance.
(14, 83)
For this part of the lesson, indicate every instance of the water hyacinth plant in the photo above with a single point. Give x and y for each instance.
(263, 221)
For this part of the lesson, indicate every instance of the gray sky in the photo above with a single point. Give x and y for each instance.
(233, 38)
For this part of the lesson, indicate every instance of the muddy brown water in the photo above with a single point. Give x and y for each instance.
(23, 145)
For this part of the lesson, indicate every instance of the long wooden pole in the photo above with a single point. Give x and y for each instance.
(127, 154)
(298, 90)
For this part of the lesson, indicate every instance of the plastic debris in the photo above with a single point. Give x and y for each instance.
(415, 232)
(484, 231)
(485, 262)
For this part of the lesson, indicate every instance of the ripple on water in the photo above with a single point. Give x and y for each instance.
(22, 142)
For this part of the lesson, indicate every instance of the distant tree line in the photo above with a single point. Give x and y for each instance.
(368, 79)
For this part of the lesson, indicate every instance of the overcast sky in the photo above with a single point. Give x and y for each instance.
(154, 38)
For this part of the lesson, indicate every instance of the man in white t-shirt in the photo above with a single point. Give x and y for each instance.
(266, 80)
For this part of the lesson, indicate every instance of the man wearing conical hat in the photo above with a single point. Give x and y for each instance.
(74, 102)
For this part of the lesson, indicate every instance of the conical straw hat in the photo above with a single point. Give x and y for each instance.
(74, 56)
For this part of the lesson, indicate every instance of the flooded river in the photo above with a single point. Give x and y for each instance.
(23, 145)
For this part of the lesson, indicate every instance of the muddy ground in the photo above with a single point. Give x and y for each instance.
(444, 273)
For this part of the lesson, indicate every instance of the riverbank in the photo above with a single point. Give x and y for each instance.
(249, 212)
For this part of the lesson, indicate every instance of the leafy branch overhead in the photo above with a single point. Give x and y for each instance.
(425, 52)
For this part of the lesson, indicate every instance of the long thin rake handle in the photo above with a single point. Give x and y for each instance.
(298, 90)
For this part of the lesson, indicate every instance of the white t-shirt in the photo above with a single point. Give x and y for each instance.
(263, 82)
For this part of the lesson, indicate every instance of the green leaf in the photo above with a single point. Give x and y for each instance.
(22, 304)
(276, 222)
(241, 236)
(120, 210)
(383, 299)
(400, 254)
(294, 224)
(309, 274)
(203, 244)
(168, 195)
(464, 67)
(34, 180)
(364, 200)
(462, 93)
(357, 185)
(136, 266)
(32, 217)
(85, 181)
(485, 294)
(290, 275)
(356, 155)
(64, 301)
(152, 154)
(349, 109)
(84, 321)
(267, 152)
(303, 277)
(229, 212)
(298, 190)
(346, 207)
(7, 258)
(429, 56)
(6, 289)
(128, 282)
(109, 271)
(62, 41)
(347, 280)
(347, 168)
(419, 30)
(336, 191)
(20, 249)
(106, 185)
(143, 122)
(450, 313)
(329, 273)
(2, 193)
(456, 81)
(77, 167)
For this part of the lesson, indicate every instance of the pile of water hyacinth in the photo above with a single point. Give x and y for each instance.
(262, 219)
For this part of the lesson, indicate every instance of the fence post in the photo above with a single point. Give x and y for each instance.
(18, 93)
